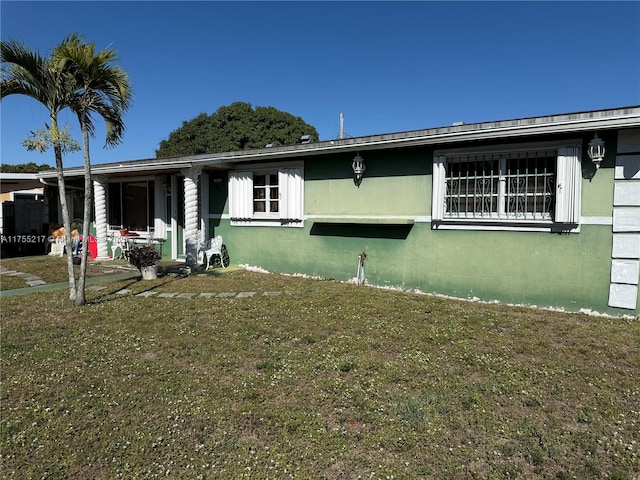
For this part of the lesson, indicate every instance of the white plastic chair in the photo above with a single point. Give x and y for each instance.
(215, 248)
(57, 246)
(118, 242)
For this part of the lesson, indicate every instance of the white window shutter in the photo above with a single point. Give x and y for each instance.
(241, 195)
(437, 197)
(568, 186)
(291, 184)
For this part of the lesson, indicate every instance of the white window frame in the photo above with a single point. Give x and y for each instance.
(568, 190)
(268, 188)
(290, 193)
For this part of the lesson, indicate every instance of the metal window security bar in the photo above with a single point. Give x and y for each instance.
(502, 186)
(530, 185)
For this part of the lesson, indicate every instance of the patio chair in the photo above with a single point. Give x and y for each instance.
(120, 243)
(59, 241)
(57, 246)
(216, 248)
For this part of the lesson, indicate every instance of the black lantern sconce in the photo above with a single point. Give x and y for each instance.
(596, 150)
(358, 169)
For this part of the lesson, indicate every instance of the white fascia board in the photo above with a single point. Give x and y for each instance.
(451, 135)
(565, 123)
(9, 177)
(132, 167)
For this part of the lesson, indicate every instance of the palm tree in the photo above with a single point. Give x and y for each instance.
(101, 88)
(26, 72)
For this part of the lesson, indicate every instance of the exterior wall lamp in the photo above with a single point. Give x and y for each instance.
(596, 150)
(358, 169)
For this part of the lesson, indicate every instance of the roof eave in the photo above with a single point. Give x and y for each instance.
(599, 120)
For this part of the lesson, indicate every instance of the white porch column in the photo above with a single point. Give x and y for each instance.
(100, 203)
(191, 222)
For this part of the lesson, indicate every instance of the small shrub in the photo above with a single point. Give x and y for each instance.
(145, 256)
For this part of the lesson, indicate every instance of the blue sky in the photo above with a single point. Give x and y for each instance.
(388, 66)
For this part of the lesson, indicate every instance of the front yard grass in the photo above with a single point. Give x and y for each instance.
(324, 380)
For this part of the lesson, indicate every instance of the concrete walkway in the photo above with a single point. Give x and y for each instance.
(32, 280)
(50, 287)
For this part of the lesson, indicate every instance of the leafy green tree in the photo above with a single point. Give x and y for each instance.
(101, 88)
(30, 167)
(26, 72)
(235, 127)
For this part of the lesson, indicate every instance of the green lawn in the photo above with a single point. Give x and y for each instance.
(324, 380)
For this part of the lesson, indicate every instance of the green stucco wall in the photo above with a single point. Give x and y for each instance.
(597, 186)
(166, 248)
(394, 183)
(570, 271)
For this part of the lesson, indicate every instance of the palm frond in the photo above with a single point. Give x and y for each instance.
(102, 88)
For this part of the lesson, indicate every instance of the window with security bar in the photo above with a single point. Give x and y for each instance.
(520, 185)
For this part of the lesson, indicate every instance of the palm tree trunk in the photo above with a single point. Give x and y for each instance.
(66, 222)
(86, 216)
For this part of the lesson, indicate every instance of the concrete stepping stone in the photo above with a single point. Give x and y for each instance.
(202, 295)
(30, 279)
(245, 294)
(146, 294)
(97, 288)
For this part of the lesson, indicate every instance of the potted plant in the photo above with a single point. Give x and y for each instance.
(145, 259)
